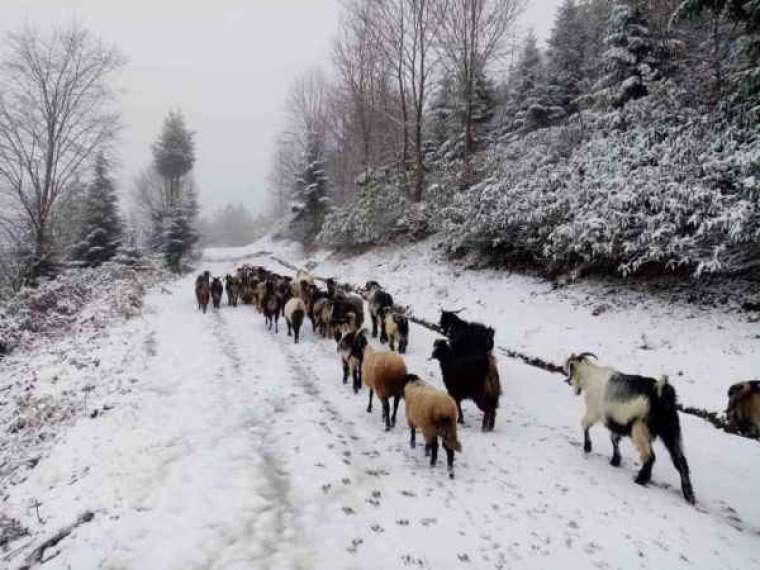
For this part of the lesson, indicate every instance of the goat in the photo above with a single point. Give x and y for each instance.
(378, 300)
(475, 378)
(636, 406)
(203, 290)
(435, 413)
(744, 407)
(311, 294)
(397, 328)
(217, 290)
(232, 287)
(349, 360)
(294, 311)
(383, 373)
(348, 311)
(270, 305)
(467, 339)
(323, 316)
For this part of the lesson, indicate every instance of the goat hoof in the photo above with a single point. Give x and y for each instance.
(387, 428)
(587, 448)
(451, 474)
(639, 480)
(615, 461)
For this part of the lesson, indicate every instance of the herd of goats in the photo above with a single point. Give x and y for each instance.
(638, 407)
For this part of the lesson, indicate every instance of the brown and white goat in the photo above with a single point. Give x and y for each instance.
(636, 406)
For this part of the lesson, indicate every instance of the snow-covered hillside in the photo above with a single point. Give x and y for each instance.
(218, 444)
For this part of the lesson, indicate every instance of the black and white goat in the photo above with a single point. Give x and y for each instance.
(379, 301)
(636, 406)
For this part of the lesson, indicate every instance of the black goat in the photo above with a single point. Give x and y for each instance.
(467, 339)
(216, 292)
(474, 378)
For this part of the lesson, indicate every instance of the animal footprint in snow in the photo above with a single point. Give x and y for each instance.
(326, 488)
(355, 545)
(377, 528)
(407, 493)
(349, 511)
(428, 521)
(346, 481)
(463, 557)
(402, 522)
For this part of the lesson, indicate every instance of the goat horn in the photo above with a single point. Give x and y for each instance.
(454, 312)
(585, 354)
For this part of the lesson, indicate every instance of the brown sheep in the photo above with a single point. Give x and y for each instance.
(435, 413)
(383, 373)
(744, 407)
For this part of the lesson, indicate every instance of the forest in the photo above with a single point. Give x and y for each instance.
(627, 144)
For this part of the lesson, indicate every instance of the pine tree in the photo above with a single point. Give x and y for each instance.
(566, 57)
(527, 93)
(174, 153)
(629, 61)
(102, 229)
(449, 107)
(311, 201)
(175, 220)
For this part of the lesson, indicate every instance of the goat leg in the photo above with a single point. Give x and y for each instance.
(412, 437)
(369, 406)
(449, 460)
(433, 453)
(615, 461)
(586, 440)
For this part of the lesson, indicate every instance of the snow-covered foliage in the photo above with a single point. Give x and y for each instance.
(643, 186)
(78, 299)
(373, 216)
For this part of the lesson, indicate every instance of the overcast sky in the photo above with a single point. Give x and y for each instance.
(226, 63)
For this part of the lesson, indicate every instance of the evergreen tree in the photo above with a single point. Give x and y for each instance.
(449, 107)
(102, 228)
(630, 60)
(311, 201)
(527, 93)
(174, 153)
(181, 234)
(566, 57)
(175, 219)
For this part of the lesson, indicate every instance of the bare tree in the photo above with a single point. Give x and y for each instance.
(471, 36)
(55, 112)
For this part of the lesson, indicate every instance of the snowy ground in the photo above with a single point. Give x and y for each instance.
(222, 445)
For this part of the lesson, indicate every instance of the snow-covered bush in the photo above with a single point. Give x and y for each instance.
(651, 184)
(79, 298)
(378, 211)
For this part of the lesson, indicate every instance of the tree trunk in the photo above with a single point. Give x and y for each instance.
(419, 171)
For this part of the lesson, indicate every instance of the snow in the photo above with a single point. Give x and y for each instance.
(223, 445)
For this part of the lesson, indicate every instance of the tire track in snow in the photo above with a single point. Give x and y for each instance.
(276, 485)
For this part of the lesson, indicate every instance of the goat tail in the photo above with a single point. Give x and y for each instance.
(447, 428)
(668, 427)
(297, 318)
(492, 383)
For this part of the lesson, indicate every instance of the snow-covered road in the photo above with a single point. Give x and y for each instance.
(230, 447)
